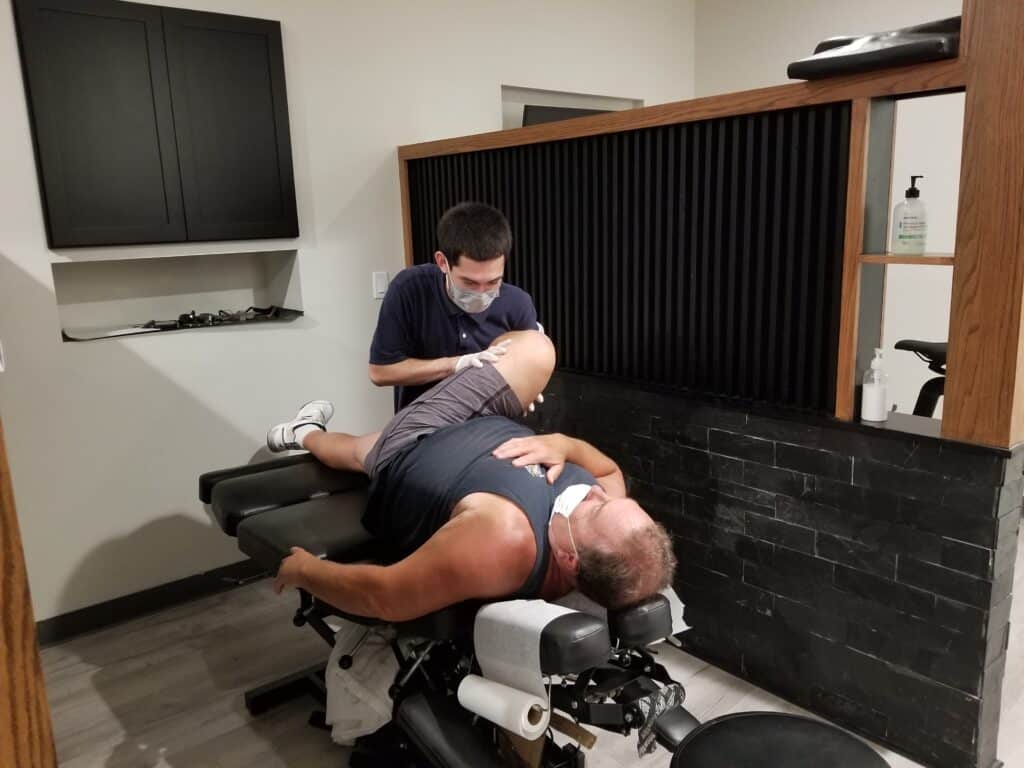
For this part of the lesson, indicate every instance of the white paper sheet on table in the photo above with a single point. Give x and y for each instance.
(506, 637)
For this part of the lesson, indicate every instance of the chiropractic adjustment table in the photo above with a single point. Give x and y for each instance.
(471, 674)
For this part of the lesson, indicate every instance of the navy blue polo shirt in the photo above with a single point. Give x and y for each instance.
(417, 320)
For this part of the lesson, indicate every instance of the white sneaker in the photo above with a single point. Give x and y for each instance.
(315, 413)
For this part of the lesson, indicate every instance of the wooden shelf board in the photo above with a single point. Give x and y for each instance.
(930, 259)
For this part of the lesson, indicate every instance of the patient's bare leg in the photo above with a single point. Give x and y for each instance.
(528, 364)
(527, 367)
(339, 450)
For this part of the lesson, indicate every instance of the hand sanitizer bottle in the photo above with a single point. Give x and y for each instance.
(873, 398)
(909, 222)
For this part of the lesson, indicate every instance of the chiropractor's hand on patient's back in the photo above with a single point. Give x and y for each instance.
(549, 450)
(477, 359)
(290, 572)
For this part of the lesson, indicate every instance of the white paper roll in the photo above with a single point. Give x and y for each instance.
(519, 712)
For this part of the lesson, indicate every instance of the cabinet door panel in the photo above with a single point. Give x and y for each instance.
(97, 85)
(231, 119)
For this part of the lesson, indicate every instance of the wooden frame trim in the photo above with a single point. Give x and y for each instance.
(853, 247)
(936, 77)
(403, 184)
(937, 260)
(26, 733)
(984, 399)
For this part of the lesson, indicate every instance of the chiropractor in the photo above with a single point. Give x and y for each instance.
(438, 318)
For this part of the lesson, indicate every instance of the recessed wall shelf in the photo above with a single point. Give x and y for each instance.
(929, 259)
(95, 298)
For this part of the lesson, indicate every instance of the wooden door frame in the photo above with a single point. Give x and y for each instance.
(26, 732)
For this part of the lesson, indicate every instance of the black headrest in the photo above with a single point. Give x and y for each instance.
(572, 643)
(641, 624)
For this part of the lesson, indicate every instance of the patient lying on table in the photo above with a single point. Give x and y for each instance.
(476, 506)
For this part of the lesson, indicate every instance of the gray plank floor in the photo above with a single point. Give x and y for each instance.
(165, 691)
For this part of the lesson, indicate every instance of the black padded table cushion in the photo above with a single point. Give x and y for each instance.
(239, 493)
(572, 643)
(327, 526)
(643, 623)
(209, 480)
(772, 740)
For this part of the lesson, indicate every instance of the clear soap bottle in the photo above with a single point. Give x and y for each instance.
(874, 396)
(910, 222)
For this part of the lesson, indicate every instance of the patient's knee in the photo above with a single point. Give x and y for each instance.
(532, 349)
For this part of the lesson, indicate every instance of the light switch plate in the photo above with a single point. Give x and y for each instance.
(3, 361)
(380, 284)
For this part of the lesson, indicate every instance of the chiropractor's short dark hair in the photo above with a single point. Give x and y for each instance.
(475, 230)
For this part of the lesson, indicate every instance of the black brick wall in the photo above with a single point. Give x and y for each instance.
(860, 573)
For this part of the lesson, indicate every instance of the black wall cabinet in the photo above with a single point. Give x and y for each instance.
(156, 125)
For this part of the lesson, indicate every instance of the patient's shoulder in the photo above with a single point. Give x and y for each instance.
(501, 520)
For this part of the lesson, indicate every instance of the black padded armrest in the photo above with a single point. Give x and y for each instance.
(208, 480)
(573, 643)
(236, 498)
(642, 624)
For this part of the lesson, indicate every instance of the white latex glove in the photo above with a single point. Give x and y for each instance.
(540, 398)
(477, 359)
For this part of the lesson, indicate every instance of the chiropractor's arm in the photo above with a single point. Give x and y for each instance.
(555, 449)
(475, 555)
(411, 371)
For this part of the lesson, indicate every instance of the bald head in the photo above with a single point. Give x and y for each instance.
(624, 556)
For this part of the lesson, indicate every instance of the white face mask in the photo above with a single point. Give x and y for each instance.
(473, 302)
(566, 503)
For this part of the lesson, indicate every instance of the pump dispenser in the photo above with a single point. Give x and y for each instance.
(873, 398)
(910, 222)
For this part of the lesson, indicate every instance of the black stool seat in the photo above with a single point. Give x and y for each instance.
(772, 740)
(930, 351)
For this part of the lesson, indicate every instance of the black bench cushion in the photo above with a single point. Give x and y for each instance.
(245, 493)
(573, 643)
(641, 624)
(209, 480)
(327, 526)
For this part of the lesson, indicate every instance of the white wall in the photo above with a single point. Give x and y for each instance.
(929, 138)
(106, 439)
(745, 44)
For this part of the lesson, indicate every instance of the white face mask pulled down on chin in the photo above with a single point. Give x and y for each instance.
(566, 503)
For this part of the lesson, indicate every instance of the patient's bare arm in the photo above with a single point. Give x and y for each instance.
(479, 554)
(555, 449)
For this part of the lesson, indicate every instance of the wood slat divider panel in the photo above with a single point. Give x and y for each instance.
(853, 245)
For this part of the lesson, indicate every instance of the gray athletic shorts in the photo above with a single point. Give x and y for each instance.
(462, 396)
